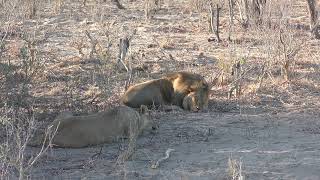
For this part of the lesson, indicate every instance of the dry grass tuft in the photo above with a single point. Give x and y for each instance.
(235, 171)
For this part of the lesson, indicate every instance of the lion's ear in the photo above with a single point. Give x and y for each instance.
(143, 109)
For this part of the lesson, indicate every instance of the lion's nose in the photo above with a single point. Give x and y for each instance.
(197, 109)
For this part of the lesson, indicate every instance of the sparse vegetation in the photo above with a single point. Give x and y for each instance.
(82, 55)
(235, 169)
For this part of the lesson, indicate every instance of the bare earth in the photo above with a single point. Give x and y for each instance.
(274, 132)
(270, 146)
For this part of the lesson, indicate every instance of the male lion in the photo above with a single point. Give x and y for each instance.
(196, 101)
(155, 92)
(184, 83)
(97, 128)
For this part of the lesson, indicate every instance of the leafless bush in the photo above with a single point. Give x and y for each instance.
(20, 66)
(199, 6)
(18, 128)
(281, 44)
(150, 8)
(17, 10)
(235, 169)
(57, 6)
(290, 47)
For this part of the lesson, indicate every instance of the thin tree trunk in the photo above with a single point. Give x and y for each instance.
(257, 7)
(123, 49)
(215, 24)
(314, 23)
(244, 12)
(231, 14)
(118, 4)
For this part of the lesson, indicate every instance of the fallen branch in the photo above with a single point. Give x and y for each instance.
(156, 164)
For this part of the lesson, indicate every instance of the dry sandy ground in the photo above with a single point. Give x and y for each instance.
(269, 145)
(274, 133)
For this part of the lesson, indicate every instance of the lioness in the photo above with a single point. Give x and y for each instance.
(196, 101)
(155, 92)
(98, 128)
(184, 83)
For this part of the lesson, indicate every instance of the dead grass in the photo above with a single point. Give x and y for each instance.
(235, 169)
(49, 63)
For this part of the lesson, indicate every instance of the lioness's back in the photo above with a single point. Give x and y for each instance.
(97, 128)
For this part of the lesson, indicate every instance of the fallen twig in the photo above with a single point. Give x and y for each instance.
(156, 164)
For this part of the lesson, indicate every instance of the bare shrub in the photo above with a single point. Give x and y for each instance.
(16, 10)
(235, 169)
(20, 65)
(150, 8)
(18, 128)
(199, 6)
(57, 6)
(290, 47)
(281, 44)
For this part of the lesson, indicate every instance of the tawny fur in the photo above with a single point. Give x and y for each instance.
(155, 92)
(97, 128)
(185, 82)
(196, 101)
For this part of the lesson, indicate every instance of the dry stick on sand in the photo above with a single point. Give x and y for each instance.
(156, 164)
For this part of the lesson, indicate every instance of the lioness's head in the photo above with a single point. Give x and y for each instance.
(146, 122)
(196, 101)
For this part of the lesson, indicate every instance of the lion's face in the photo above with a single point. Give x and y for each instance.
(196, 101)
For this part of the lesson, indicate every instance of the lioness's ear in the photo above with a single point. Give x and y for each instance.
(143, 109)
